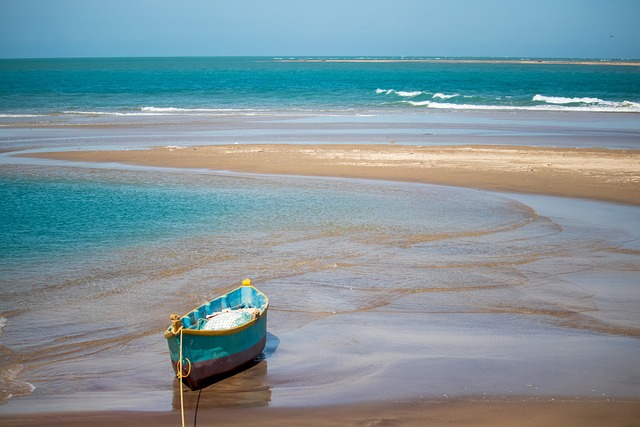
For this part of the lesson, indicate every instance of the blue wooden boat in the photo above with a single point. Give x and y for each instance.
(219, 337)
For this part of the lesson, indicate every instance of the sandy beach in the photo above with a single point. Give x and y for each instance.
(439, 203)
(607, 175)
(443, 241)
(596, 174)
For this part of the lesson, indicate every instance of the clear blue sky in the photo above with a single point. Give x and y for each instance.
(519, 28)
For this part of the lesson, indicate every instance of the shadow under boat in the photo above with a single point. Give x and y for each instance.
(245, 386)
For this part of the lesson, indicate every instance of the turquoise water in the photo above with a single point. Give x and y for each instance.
(57, 219)
(369, 282)
(208, 86)
(93, 260)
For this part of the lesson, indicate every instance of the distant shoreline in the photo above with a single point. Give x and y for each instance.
(469, 61)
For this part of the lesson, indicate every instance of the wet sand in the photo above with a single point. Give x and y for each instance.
(450, 413)
(607, 175)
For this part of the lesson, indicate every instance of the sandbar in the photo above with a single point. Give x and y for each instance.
(597, 174)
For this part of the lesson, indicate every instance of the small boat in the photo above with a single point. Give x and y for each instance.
(219, 337)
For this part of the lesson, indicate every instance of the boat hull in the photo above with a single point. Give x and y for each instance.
(209, 355)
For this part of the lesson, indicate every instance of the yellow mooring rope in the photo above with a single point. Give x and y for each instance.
(176, 320)
(179, 366)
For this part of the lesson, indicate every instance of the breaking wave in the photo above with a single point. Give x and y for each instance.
(176, 110)
(18, 116)
(564, 100)
(10, 369)
(161, 111)
(456, 101)
(402, 93)
(559, 100)
(443, 96)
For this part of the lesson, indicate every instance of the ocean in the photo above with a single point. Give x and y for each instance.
(59, 89)
(378, 290)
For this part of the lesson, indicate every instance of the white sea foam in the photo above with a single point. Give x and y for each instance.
(589, 103)
(540, 102)
(409, 94)
(161, 111)
(402, 93)
(414, 93)
(18, 116)
(421, 103)
(10, 385)
(385, 91)
(443, 96)
(196, 111)
(103, 113)
(564, 100)
(626, 107)
(186, 110)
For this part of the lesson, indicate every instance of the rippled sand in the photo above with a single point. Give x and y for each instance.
(530, 313)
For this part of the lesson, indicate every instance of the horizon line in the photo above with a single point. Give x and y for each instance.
(338, 58)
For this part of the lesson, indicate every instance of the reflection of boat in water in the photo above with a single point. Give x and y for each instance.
(245, 389)
(219, 337)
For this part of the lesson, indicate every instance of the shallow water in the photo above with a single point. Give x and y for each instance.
(442, 127)
(378, 290)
